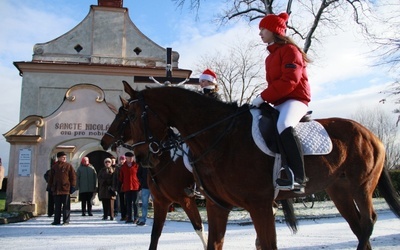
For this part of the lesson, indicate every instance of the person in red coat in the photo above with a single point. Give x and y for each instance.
(130, 186)
(288, 90)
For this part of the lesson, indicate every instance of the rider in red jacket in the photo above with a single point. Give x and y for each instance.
(288, 90)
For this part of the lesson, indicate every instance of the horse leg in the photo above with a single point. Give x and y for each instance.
(160, 214)
(190, 207)
(264, 223)
(217, 221)
(361, 217)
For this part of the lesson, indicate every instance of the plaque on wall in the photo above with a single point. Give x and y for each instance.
(24, 163)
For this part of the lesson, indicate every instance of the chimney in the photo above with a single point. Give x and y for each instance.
(110, 3)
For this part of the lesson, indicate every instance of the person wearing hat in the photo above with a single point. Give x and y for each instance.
(107, 194)
(117, 187)
(62, 183)
(288, 91)
(208, 83)
(130, 186)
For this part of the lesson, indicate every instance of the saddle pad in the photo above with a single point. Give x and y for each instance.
(186, 160)
(313, 137)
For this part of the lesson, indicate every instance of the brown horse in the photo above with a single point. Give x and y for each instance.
(234, 172)
(166, 181)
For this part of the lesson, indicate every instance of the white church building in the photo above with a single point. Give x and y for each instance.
(70, 94)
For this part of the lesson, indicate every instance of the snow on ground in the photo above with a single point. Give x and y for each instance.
(94, 233)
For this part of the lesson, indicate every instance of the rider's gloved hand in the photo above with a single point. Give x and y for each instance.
(258, 101)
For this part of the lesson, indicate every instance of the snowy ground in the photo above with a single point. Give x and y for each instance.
(94, 233)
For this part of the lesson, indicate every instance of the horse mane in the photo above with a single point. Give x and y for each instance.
(195, 97)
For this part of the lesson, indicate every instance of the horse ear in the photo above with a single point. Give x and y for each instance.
(128, 89)
(123, 101)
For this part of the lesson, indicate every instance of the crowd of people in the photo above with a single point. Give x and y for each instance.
(117, 186)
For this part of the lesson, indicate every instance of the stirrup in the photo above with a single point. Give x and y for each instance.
(287, 185)
(290, 184)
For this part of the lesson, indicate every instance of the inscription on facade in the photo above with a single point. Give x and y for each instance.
(24, 163)
(81, 129)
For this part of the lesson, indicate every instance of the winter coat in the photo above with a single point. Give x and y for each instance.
(117, 184)
(86, 179)
(105, 183)
(142, 175)
(62, 177)
(286, 75)
(128, 177)
(212, 94)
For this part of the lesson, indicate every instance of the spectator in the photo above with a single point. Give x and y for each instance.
(114, 167)
(145, 195)
(50, 197)
(117, 187)
(106, 192)
(87, 185)
(62, 182)
(130, 186)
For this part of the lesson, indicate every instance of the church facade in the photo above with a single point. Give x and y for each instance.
(70, 94)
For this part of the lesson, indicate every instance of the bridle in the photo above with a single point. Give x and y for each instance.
(172, 140)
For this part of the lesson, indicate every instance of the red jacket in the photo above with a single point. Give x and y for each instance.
(128, 177)
(286, 75)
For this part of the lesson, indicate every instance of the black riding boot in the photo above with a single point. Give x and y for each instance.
(294, 157)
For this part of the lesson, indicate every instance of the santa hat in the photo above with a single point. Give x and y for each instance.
(208, 75)
(275, 23)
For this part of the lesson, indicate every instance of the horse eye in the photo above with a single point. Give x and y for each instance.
(131, 117)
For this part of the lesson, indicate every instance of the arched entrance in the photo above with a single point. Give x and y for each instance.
(96, 158)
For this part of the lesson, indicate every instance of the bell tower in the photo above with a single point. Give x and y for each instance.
(110, 3)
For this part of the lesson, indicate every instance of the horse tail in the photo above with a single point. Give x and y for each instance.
(388, 192)
(290, 217)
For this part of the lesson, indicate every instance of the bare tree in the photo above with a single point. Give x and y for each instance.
(381, 124)
(307, 16)
(240, 72)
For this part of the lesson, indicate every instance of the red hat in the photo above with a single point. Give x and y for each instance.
(208, 75)
(275, 23)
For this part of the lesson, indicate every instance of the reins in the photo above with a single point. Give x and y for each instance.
(174, 141)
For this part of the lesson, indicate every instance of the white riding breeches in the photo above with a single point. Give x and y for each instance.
(290, 113)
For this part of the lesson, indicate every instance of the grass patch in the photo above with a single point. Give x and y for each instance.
(2, 201)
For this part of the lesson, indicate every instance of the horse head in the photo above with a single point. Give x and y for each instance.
(119, 130)
(146, 129)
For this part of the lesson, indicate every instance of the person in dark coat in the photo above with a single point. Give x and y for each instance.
(87, 185)
(50, 197)
(62, 182)
(107, 195)
(209, 85)
(117, 184)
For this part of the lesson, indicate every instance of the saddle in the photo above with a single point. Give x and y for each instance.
(313, 137)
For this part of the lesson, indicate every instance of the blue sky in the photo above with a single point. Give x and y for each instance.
(341, 77)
